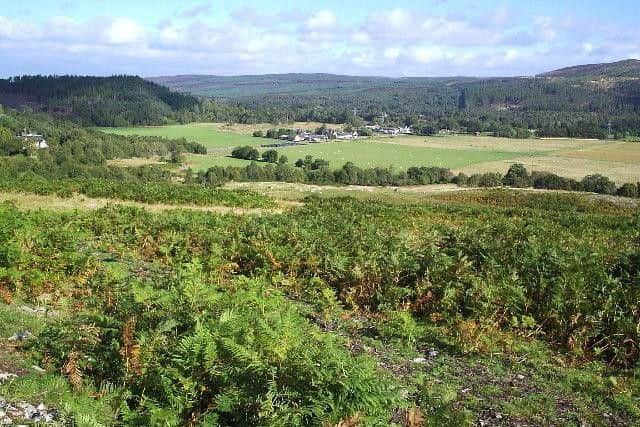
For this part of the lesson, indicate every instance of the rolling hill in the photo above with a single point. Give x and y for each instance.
(102, 101)
(575, 101)
(239, 87)
(626, 68)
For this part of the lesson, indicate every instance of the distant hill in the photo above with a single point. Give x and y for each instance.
(626, 68)
(235, 87)
(579, 105)
(101, 101)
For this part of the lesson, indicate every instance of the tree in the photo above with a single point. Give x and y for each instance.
(282, 159)
(246, 153)
(628, 190)
(272, 133)
(462, 100)
(270, 156)
(176, 156)
(598, 184)
(517, 176)
(9, 145)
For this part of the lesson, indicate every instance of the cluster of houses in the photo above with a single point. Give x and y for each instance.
(33, 140)
(303, 137)
(405, 130)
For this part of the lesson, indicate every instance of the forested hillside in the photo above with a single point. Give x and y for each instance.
(626, 68)
(101, 101)
(580, 101)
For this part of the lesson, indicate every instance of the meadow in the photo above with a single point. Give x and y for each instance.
(573, 158)
(208, 134)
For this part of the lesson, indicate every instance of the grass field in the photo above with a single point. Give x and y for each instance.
(572, 158)
(217, 137)
(210, 135)
(366, 153)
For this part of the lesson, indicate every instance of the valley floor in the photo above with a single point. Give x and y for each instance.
(573, 158)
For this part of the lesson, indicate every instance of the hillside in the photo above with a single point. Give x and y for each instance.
(287, 84)
(555, 107)
(102, 101)
(626, 68)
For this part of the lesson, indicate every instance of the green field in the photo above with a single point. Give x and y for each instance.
(207, 134)
(366, 153)
(573, 158)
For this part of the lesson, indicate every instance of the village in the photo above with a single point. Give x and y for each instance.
(303, 137)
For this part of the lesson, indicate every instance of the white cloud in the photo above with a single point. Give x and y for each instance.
(428, 54)
(322, 20)
(392, 53)
(398, 17)
(512, 55)
(361, 37)
(123, 31)
(546, 28)
(388, 42)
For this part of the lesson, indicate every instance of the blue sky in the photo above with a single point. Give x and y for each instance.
(400, 38)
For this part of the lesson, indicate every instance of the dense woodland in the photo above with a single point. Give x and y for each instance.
(564, 104)
(578, 103)
(99, 101)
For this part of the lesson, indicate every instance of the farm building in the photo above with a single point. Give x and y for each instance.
(34, 140)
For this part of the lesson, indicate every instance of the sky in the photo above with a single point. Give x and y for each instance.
(387, 38)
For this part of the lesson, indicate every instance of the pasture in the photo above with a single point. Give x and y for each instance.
(573, 158)
(211, 135)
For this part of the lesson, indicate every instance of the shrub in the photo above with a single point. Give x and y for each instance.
(488, 179)
(598, 184)
(517, 176)
(246, 153)
(550, 181)
(270, 156)
(628, 190)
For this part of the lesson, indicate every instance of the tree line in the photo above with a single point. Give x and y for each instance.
(318, 171)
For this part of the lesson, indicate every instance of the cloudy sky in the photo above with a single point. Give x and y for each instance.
(374, 37)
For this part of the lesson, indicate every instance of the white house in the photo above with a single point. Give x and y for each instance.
(35, 140)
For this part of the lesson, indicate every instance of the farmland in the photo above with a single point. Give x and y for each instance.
(573, 158)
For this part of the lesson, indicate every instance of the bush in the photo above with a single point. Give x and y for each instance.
(258, 133)
(598, 184)
(246, 153)
(270, 156)
(550, 181)
(628, 190)
(245, 357)
(517, 176)
(488, 179)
